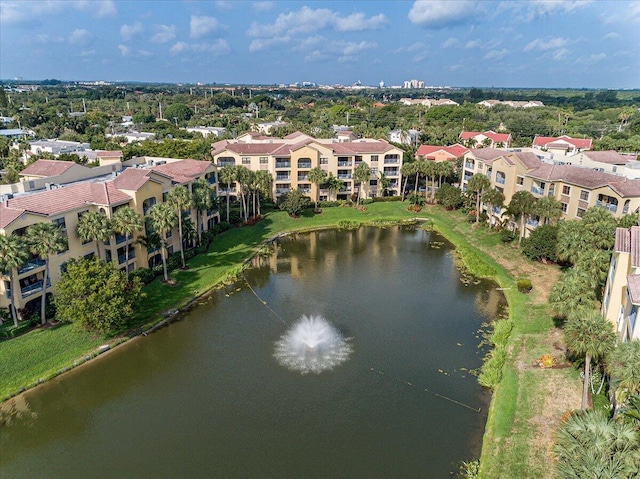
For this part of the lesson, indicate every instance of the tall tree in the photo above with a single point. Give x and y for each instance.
(203, 200)
(407, 170)
(180, 199)
(495, 199)
(94, 226)
(361, 175)
(623, 365)
(548, 208)
(243, 178)
(589, 334)
(264, 181)
(127, 221)
(13, 254)
(317, 176)
(163, 219)
(227, 176)
(334, 184)
(477, 184)
(521, 206)
(45, 239)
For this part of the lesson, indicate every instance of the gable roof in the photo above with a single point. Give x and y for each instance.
(495, 137)
(456, 150)
(610, 157)
(46, 168)
(557, 142)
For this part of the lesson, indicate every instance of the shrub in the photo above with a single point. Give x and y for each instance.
(348, 225)
(145, 275)
(507, 236)
(367, 201)
(524, 285)
(384, 199)
(541, 243)
(328, 204)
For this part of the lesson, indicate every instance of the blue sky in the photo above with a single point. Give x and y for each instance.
(542, 43)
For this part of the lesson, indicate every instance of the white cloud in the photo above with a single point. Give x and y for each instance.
(496, 54)
(99, 8)
(203, 25)
(127, 32)
(472, 44)
(308, 20)
(125, 51)
(262, 6)
(223, 4)
(416, 47)
(164, 33)
(44, 38)
(20, 11)
(79, 36)
(260, 44)
(630, 14)
(540, 8)
(560, 54)
(87, 53)
(442, 13)
(591, 59)
(217, 48)
(611, 35)
(545, 45)
(451, 42)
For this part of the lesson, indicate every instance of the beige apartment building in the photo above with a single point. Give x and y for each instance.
(289, 160)
(144, 182)
(577, 188)
(622, 290)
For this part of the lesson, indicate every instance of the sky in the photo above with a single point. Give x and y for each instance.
(518, 43)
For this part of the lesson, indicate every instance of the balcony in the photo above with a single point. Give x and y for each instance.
(31, 265)
(500, 180)
(608, 206)
(304, 164)
(303, 177)
(533, 223)
(283, 164)
(345, 163)
(282, 191)
(391, 161)
(34, 288)
(122, 238)
(281, 177)
(468, 165)
(537, 190)
(391, 172)
(344, 176)
(223, 163)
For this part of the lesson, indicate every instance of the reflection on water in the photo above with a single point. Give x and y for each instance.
(206, 398)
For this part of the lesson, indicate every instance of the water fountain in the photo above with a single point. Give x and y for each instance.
(312, 344)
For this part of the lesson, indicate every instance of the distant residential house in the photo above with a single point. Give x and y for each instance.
(511, 103)
(404, 137)
(132, 136)
(206, 131)
(57, 147)
(428, 102)
(489, 139)
(13, 133)
(345, 135)
(562, 144)
(269, 126)
(441, 153)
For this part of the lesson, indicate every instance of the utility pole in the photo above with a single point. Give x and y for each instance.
(160, 106)
(84, 106)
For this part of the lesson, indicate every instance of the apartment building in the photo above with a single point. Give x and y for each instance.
(577, 188)
(441, 153)
(289, 160)
(489, 139)
(145, 182)
(622, 291)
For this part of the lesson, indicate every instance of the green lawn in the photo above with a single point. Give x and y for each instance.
(515, 445)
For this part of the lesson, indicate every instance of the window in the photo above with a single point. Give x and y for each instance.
(580, 212)
(565, 207)
(60, 223)
(374, 157)
(520, 180)
(324, 160)
(584, 195)
(566, 190)
(246, 160)
(264, 160)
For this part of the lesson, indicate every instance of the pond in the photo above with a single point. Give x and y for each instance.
(205, 397)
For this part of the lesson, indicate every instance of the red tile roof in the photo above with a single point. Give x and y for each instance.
(623, 240)
(109, 153)
(633, 286)
(610, 157)
(495, 137)
(487, 154)
(456, 150)
(45, 168)
(557, 142)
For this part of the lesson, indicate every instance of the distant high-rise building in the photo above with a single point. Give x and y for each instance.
(381, 83)
(414, 84)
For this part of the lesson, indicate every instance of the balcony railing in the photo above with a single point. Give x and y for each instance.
(500, 180)
(344, 176)
(609, 206)
(31, 265)
(222, 164)
(468, 165)
(304, 164)
(533, 223)
(345, 163)
(393, 172)
(34, 288)
(122, 238)
(391, 161)
(283, 164)
(537, 190)
(282, 177)
(625, 209)
(303, 177)
(282, 191)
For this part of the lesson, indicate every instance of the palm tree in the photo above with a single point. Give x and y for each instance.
(522, 205)
(264, 180)
(317, 176)
(45, 239)
(203, 201)
(590, 334)
(623, 365)
(548, 208)
(127, 221)
(384, 183)
(243, 178)
(588, 444)
(334, 184)
(227, 176)
(477, 184)
(407, 170)
(361, 175)
(180, 199)
(573, 291)
(94, 226)
(163, 219)
(495, 199)
(599, 226)
(13, 254)
(571, 240)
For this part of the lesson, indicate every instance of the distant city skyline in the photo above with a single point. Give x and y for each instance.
(528, 44)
